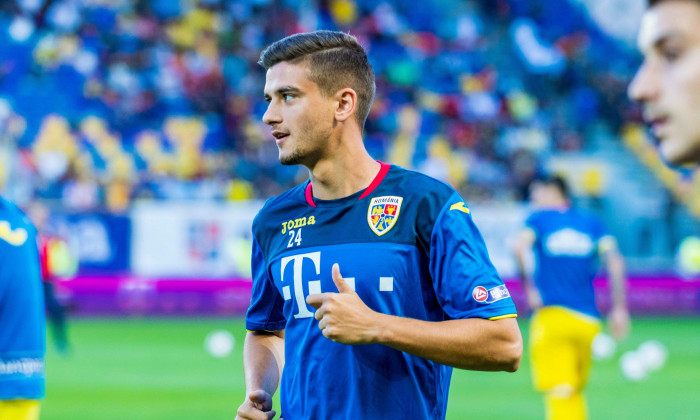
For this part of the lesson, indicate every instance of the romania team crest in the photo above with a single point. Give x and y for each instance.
(383, 213)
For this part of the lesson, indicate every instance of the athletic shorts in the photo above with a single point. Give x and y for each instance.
(560, 347)
(19, 409)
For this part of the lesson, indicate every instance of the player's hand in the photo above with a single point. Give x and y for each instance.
(619, 322)
(534, 299)
(257, 406)
(342, 316)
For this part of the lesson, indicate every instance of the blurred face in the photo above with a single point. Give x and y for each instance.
(545, 195)
(301, 119)
(668, 82)
(538, 194)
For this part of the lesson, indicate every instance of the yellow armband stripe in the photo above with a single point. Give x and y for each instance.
(503, 317)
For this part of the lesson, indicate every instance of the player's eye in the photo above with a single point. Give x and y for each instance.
(671, 54)
(287, 97)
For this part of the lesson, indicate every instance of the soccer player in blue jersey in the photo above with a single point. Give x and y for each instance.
(567, 244)
(22, 319)
(370, 282)
(668, 82)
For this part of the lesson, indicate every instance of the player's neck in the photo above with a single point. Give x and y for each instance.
(346, 171)
(559, 205)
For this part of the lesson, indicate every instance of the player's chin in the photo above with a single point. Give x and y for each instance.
(290, 158)
(680, 151)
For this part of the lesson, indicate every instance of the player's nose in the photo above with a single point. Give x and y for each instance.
(272, 115)
(645, 85)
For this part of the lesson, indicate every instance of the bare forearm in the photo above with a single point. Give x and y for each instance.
(616, 270)
(522, 272)
(263, 360)
(523, 245)
(474, 344)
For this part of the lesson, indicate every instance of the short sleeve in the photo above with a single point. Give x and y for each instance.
(598, 228)
(265, 312)
(466, 283)
(531, 224)
(606, 242)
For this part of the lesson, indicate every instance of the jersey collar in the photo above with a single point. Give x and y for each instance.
(383, 169)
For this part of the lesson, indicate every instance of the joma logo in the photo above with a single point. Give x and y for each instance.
(297, 223)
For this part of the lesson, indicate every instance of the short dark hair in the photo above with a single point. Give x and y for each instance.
(559, 183)
(336, 61)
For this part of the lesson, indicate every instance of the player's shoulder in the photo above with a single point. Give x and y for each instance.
(538, 215)
(582, 216)
(550, 219)
(414, 184)
(278, 207)
(8, 207)
(18, 233)
(589, 219)
(12, 212)
(557, 214)
(575, 217)
(431, 201)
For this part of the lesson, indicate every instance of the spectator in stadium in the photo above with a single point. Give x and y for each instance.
(22, 319)
(419, 296)
(567, 244)
(668, 82)
(136, 65)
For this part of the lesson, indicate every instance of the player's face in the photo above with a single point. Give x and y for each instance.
(300, 116)
(545, 195)
(668, 82)
(539, 195)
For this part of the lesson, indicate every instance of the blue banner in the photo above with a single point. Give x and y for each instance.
(101, 242)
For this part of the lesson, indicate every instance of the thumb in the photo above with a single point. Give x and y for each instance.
(340, 283)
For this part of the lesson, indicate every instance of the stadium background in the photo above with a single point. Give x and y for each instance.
(138, 124)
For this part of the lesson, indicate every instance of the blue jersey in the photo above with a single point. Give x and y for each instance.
(22, 319)
(408, 246)
(566, 253)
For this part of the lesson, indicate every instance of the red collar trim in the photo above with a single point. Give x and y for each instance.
(377, 179)
(309, 195)
(383, 170)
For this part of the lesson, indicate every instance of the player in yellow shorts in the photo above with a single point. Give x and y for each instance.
(567, 244)
(19, 410)
(560, 349)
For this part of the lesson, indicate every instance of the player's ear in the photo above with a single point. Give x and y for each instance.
(347, 103)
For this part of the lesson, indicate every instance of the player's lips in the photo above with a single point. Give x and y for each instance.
(279, 136)
(657, 125)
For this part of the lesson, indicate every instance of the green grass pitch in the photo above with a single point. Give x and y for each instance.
(158, 369)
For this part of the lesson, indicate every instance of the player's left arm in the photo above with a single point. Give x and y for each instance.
(618, 318)
(474, 343)
(523, 245)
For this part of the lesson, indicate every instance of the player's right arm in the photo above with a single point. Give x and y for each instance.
(618, 318)
(263, 361)
(263, 350)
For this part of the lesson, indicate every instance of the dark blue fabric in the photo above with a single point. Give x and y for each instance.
(424, 265)
(22, 318)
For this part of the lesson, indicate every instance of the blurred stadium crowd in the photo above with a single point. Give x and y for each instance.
(106, 102)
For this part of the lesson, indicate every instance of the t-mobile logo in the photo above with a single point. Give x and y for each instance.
(314, 285)
(386, 284)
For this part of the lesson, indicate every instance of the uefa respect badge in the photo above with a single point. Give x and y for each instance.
(483, 295)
